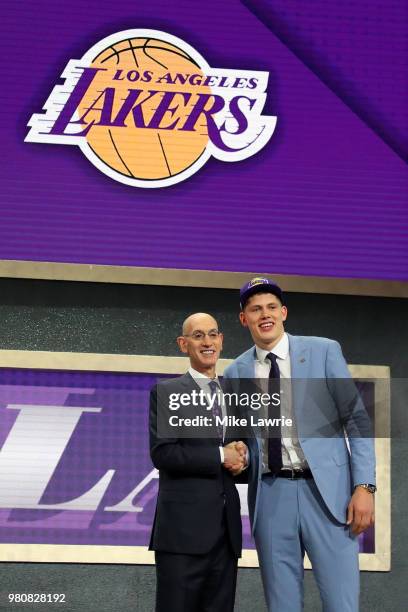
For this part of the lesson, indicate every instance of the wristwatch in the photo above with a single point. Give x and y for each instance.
(368, 487)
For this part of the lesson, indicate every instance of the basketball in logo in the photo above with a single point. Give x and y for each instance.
(133, 70)
(147, 110)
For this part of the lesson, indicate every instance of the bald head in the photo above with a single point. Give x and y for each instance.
(202, 342)
(198, 320)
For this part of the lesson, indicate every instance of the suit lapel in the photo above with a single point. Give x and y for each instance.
(246, 368)
(247, 371)
(189, 383)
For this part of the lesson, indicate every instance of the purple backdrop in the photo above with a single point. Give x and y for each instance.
(40, 465)
(326, 196)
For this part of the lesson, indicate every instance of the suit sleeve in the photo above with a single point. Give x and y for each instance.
(353, 414)
(180, 456)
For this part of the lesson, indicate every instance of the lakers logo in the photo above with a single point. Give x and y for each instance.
(258, 280)
(147, 110)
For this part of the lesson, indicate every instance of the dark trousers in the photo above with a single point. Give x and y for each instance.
(197, 583)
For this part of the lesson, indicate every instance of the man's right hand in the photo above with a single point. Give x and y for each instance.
(235, 457)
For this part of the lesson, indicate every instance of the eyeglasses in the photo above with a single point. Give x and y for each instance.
(198, 335)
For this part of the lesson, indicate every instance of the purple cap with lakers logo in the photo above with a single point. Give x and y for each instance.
(259, 284)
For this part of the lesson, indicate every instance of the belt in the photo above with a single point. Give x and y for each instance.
(291, 474)
(294, 474)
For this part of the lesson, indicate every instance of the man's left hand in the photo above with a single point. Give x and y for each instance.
(360, 511)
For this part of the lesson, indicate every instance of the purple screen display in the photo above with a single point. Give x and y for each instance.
(325, 196)
(74, 460)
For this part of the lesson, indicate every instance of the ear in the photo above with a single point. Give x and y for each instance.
(284, 313)
(242, 319)
(221, 336)
(182, 344)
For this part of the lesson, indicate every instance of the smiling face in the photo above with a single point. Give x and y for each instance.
(264, 316)
(202, 342)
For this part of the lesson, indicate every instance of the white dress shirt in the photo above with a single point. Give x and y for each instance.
(292, 454)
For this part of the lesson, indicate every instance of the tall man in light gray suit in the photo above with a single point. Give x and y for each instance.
(306, 492)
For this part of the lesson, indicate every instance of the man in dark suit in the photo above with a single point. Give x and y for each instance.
(196, 533)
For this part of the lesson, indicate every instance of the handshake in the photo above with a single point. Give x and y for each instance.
(235, 457)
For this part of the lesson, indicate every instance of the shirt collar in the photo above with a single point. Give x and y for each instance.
(200, 378)
(281, 350)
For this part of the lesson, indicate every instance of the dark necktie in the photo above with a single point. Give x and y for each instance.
(216, 408)
(275, 434)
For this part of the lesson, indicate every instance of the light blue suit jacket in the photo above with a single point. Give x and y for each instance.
(325, 400)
